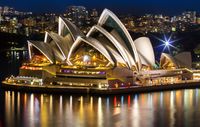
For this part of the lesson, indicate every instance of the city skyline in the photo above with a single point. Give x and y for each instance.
(141, 7)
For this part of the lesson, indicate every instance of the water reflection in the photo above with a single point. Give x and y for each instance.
(171, 108)
(11, 59)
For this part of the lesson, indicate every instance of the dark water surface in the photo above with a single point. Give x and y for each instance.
(158, 109)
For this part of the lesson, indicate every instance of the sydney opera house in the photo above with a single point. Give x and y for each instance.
(106, 56)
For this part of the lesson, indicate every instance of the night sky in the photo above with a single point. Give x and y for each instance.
(135, 7)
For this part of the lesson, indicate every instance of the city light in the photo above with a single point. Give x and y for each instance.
(167, 43)
(86, 58)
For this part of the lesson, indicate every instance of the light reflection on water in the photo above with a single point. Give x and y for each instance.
(170, 108)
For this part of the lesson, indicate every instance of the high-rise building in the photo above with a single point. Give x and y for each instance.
(94, 13)
(1, 10)
(189, 16)
(6, 10)
(77, 14)
(198, 20)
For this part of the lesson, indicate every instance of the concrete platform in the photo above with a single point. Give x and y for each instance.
(101, 91)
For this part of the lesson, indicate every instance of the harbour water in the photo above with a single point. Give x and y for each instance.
(168, 108)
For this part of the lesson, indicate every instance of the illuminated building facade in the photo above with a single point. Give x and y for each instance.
(106, 55)
(77, 14)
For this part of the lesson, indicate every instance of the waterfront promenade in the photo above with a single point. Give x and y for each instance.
(95, 90)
